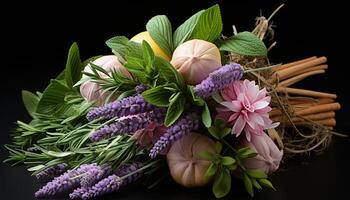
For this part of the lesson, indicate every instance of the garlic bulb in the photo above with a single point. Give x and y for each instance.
(185, 165)
(92, 91)
(196, 59)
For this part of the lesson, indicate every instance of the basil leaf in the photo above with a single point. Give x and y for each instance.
(157, 96)
(159, 27)
(176, 107)
(245, 43)
(73, 66)
(30, 102)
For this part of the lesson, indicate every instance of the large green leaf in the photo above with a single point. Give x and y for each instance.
(184, 31)
(52, 98)
(30, 102)
(245, 43)
(159, 27)
(209, 25)
(73, 66)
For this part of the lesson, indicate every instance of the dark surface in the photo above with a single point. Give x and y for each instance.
(35, 42)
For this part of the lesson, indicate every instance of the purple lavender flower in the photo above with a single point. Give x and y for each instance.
(182, 127)
(129, 124)
(52, 171)
(141, 88)
(94, 175)
(124, 107)
(218, 80)
(65, 182)
(110, 184)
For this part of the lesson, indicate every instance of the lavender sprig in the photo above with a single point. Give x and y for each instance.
(141, 88)
(218, 80)
(126, 174)
(52, 172)
(65, 182)
(129, 125)
(181, 128)
(128, 106)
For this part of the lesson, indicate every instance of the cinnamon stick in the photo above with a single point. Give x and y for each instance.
(288, 72)
(319, 108)
(302, 92)
(300, 77)
(293, 63)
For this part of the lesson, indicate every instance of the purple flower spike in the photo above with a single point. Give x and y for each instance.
(218, 80)
(110, 184)
(141, 88)
(52, 171)
(182, 127)
(65, 182)
(129, 125)
(128, 106)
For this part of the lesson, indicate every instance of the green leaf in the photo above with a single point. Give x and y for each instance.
(256, 184)
(157, 96)
(227, 160)
(176, 107)
(59, 154)
(52, 98)
(256, 173)
(246, 152)
(148, 56)
(206, 118)
(30, 102)
(209, 25)
(119, 44)
(35, 168)
(248, 185)
(159, 27)
(206, 155)
(218, 147)
(219, 123)
(266, 183)
(168, 72)
(211, 171)
(215, 132)
(73, 66)
(245, 43)
(184, 31)
(222, 184)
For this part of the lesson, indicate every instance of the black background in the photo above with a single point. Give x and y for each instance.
(35, 39)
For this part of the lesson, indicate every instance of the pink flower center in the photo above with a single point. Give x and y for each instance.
(247, 105)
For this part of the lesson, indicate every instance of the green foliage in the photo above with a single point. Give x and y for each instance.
(222, 184)
(245, 43)
(219, 130)
(122, 47)
(30, 102)
(175, 109)
(205, 25)
(255, 178)
(159, 27)
(73, 66)
(206, 117)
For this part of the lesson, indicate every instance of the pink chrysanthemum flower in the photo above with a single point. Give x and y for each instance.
(245, 107)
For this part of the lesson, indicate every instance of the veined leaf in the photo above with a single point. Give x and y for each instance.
(158, 96)
(52, 98)
(209, 25)
(175, 109)
(245, 43)
(30, 102)
(206, 118)
(73, 66)
(184, 31)
(159, 27)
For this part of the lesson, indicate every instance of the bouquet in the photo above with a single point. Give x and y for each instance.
(203, 107)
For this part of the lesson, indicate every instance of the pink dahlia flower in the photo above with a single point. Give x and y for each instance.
(246, 108)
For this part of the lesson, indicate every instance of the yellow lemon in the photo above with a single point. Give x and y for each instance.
(156, 49)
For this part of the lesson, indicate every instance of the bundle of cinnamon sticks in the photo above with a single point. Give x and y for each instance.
(304, 106)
